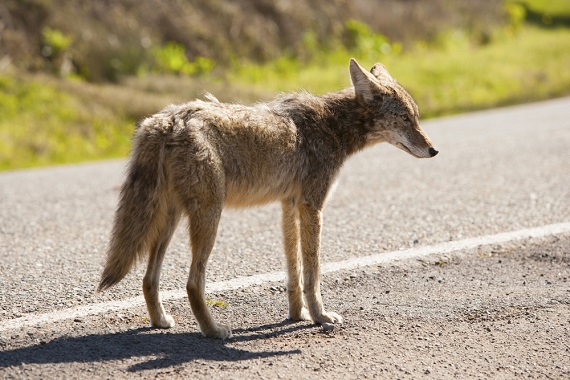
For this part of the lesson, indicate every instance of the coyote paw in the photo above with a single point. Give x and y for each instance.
(299, 315)
(219, 332)
(163, 323)
(328, 317)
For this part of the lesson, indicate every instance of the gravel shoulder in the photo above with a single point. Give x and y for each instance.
(492, 312)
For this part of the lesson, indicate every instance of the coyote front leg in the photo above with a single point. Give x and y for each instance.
(203, 227)
(310, 223)
(297, 310)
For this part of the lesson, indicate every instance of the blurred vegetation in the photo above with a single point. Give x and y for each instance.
(449, 75)
(171, 59)
(41, 125)
(75, 75)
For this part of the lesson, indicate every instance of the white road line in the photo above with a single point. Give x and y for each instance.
(258, 279)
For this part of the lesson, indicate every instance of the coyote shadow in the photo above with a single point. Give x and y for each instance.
(167, 349)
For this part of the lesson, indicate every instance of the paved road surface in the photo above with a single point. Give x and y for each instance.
(493, 311)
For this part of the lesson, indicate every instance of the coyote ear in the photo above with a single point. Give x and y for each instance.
(362, 81)
(381, 73)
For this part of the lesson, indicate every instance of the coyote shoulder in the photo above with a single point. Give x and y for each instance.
(195, 158)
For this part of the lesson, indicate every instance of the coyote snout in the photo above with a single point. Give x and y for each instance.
(195, 158)
(415, 143)
(412, 140)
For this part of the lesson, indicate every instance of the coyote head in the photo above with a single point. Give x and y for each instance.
(395, 114)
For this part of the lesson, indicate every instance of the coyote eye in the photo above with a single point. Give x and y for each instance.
(405, 118)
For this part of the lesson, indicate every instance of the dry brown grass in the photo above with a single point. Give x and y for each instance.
(138, 97)
(114, 38)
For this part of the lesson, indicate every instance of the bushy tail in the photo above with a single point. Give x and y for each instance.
(137, 213)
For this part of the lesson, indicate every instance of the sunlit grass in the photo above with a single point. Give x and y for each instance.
(529, 66)
(46, 121)
(559, 8)
(41, 125)
(526, 66)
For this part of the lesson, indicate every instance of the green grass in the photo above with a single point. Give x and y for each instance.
(530, 66)
(558, 8)
(41, 125)
(47, 121)
(450, 77)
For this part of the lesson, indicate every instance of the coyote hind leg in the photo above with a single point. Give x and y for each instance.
(158, 317)
(290, 225)
(203, 226)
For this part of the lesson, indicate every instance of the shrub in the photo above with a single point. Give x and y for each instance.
(171, 59)
(363, 42)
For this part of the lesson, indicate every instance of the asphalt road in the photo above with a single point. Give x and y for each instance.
(476, 315)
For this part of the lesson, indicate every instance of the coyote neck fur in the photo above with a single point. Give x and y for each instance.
(337, 119)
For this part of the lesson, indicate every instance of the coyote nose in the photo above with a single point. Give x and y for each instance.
(432, 152)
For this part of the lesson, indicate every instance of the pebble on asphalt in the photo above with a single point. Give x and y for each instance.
(327, 326)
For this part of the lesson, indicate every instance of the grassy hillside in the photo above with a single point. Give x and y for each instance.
(104, 40)
(42, 125)
(73, 90)
(449, 76)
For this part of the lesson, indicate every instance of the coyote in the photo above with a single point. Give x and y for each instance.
(196, 158)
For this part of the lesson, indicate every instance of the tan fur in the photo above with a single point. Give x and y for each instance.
(196, 157)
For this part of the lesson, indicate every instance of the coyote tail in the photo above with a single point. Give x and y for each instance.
(139, 212)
